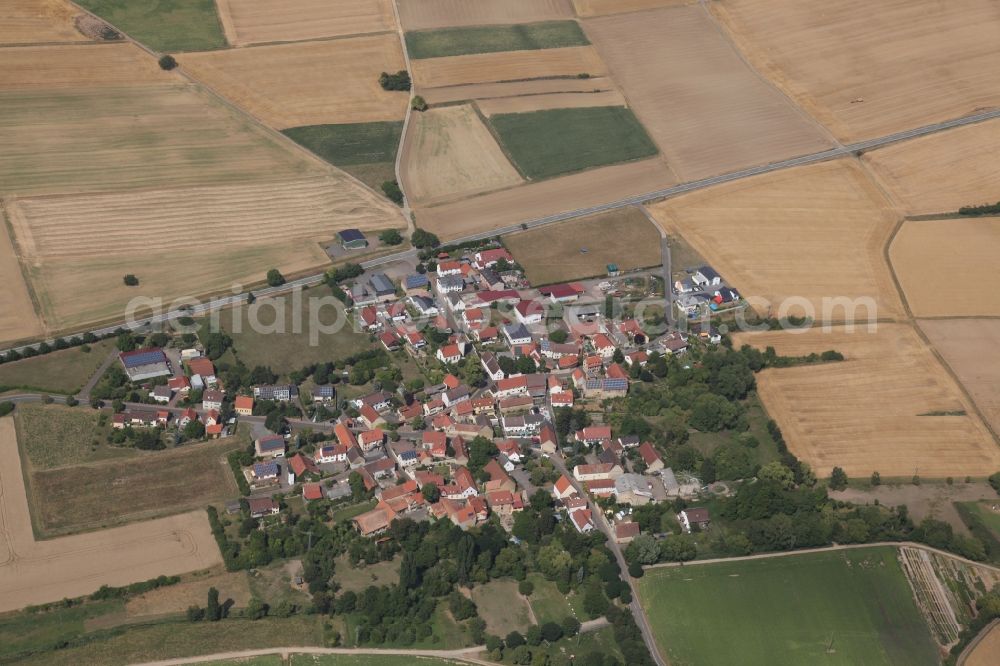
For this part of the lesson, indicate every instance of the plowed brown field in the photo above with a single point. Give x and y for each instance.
(949, 267)
(869, 69)
(424, 14)
(480, 91)
(309, 83)
(79, 66)
(32, 21)
(882, 409)
(36, 572)
(506, 66)
(794, 239)
(942, 172)
(969, 347)
(705, 108)
(450, 153)
(603, 7)
(259, 21)
(524, 103)
(579, 190)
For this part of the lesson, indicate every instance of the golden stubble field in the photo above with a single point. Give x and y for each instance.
(450, 153)
(78, 66)
(794, 239)
(586, 8)
(942, 172)
(706, 109)
(969, 347)
(426, 14)
(36, 572)
(889, 407)
(308, 83)
(868, 69)
(506, 66)
(566, 100)
(34, 21)
(949, 267)
(17, 320)
(260, 21)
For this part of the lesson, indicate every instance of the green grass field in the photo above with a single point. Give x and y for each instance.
(846, 607)
(64, 371)
(164, 25)
(502, 607)
(494, 38)
(29, 632)
(366, 660)
(358, 578)
(549, 604)
(548, 143)
(54, 436)
(367, 151)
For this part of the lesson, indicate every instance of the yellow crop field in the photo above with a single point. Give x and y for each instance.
(17, 313)
(940, 173)
(33, 21)
(259, 21)
(308, 83)
(426, 14)
(949, 267)
(794, 239)
(506, 66)
(450, 153)
(889, 407)
(79, 66)
(525, 103)
(868, 69)
(969, 347)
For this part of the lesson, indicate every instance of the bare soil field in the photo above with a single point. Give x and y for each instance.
(794, 239)
(450, 153)
(881, 409)
(484, 91)
(705, 108)
(78, 66)
(177, 598)
(534, 200)
(64, 240)
(865, 70)
(585, 8)
(33, 21)
(949, 267)
(92, 140)
(553, 253)
(986, 650)
(260, 21)
(942, 172)
(424, 14)
(506, 66)
(35, 572)
(969, 347)
(524, 103)
(309, 83)
(17, 312)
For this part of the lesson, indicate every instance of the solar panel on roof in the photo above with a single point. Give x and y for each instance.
(148, 357)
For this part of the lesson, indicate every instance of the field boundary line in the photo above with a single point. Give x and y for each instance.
(285, 42)
(971, 647)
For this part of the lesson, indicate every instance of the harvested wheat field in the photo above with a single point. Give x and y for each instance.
(259, 21)
(868, 69)
(987, 650)
(483, 91)
(506, 66)
(425, 14)
(889, 407)
(33, 21)
(949, 267)
(80, 66)
(525, 103)
(942, 172)
(791, 240)
(450, 153)
(309, 83)
(705, 108)
(36, 572)
(585, 8)
(534, 200)
(64, 240)
(17, 313)
(969, 347)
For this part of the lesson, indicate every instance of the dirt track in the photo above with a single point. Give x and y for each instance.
(36, 572)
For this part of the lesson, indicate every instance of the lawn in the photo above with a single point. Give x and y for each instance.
(28, 632)
(494, 38)
(352, 510)
(543, 144)
(64, 371)
(846, 607)
(357, 578)
(273, 584)
(584, 247)
(549, 604)
(367, 151)
(288, 345)
(502, 607)
(167, 26)
(152, 484)
(55, 436)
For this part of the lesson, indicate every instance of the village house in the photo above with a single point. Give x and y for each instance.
(376, 521)
(312, 491)
(548, 440)
(563, 293)
(404, 453)
(262, 506)
(597, 472)
(243, 405)
(529, 312)
(563, 488)
(706, 277)
(516, 334)
(633, 489)
(265, 473)
(204, 368)
(279, 393)
(212, 399)
(332, 454)
(161, 394)
(370, 440)
(449, 354)
(625, 532)
(650, 456)
(593, 435)
(691, 518)
(526, 425)
(486, 258)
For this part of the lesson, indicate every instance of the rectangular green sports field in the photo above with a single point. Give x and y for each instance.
(494, 38)
(839, 607)
(548, 143)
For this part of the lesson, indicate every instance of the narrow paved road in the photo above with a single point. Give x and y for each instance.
(84, 394)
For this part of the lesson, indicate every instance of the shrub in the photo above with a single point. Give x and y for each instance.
(526, 587)
(130, 280)
(995, 482)
(275, 278)
(168, 62)
(6, 408)
(398, 81)
(418, 103)
(391, 237)
(424, 239)
(391, 190)
(838, 479)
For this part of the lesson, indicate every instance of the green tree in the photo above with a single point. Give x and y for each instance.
(424, 239)
(167, 62)
(777, 473)
(526, 587)
(570, 625)
(6, 407)
(554, 562)
(256, 609)
(838, 479)
(678, 548)
(418, 103)
(195, 429)
(130, 280)
(644, 549)
(431, 492)
(711, 413)
(391, 237)
(275, 278)
(559, 336)
(876, 479)
(390, 188)
(213, 610)
(995, 482)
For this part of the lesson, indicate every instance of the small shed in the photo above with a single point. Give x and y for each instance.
(353, 239)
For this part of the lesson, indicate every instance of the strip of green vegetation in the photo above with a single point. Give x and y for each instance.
(366, 660)
(64, 371)
(350, 143)
(557, 141)
(164, 25)
(984, 523)
(27, 632)
(846, 607)
(494, 38)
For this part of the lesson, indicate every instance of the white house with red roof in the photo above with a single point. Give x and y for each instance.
(449, 354)
(529, 312)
